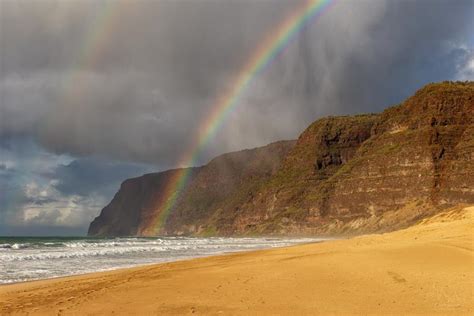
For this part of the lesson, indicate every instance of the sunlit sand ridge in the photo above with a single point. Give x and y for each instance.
(426, 269)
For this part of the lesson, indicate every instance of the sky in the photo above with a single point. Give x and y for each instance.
(96, 91)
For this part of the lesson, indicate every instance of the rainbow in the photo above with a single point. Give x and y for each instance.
(94, 43)
(264, 55)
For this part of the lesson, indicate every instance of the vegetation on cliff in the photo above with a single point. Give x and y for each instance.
(344, 175)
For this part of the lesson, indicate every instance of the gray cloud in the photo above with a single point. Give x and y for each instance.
(88, 176)
(41, 189)
(131, 86)
(132, 80)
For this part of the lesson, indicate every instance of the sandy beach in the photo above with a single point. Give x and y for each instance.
(427, 269)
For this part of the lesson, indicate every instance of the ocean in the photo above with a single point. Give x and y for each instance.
(35, 258)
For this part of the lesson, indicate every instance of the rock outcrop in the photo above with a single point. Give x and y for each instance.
(344, 175)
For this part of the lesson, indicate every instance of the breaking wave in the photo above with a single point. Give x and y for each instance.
(24, 259)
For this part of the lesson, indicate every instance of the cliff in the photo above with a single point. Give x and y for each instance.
(223, 183)
(344, 175)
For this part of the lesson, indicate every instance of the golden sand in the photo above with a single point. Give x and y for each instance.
(426, 269)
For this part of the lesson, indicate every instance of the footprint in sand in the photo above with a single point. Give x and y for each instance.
(396, 277)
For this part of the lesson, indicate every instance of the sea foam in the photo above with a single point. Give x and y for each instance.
(24, 259)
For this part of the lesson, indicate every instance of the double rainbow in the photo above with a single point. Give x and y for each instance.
(95, 42)
(227, 102)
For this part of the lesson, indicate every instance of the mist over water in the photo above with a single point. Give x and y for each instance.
(33, 258)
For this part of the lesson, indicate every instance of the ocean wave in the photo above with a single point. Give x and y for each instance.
(88, 250)
(41, 258)
(65, 254)
(145, 242)
(14, 246)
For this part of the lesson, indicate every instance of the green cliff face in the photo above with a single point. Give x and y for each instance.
(344, 175)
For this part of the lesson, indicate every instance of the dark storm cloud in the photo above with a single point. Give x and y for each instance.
(149, 73)
(135, 86)
(41, 189)
(89, 176)
(359, 57)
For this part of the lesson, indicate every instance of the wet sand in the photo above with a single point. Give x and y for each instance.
(427, 269)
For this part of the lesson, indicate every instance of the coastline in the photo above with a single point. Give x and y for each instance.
(424, 269)
(146, 265)
(49, 258)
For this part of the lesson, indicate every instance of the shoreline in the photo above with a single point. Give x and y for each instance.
(146, 265)
(424, 269)
(48, 258)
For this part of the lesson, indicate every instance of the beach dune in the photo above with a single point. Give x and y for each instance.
(425, 269)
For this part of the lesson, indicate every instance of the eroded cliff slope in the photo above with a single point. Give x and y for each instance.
(371, 173)
(344, 175)
(224, 183)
